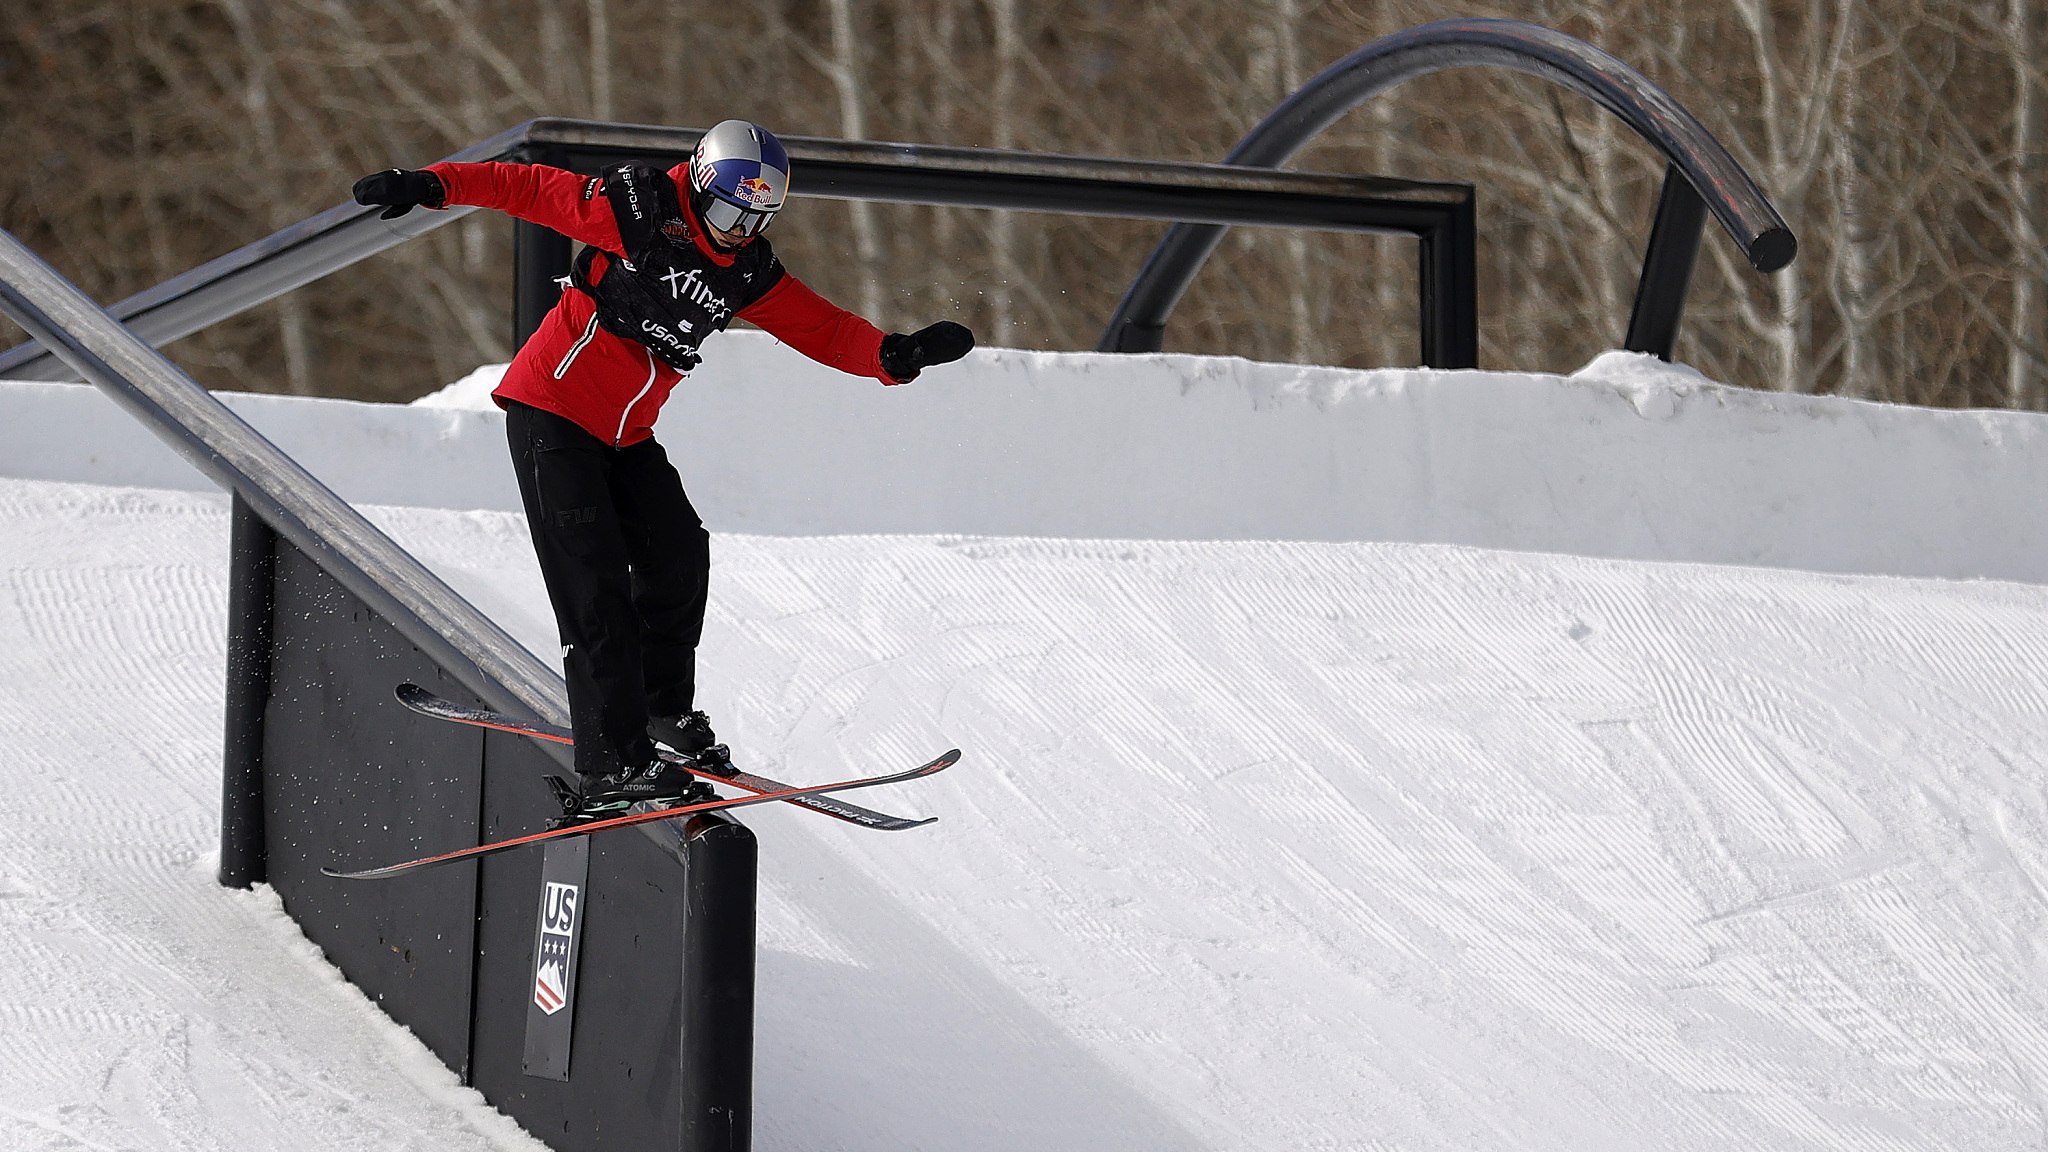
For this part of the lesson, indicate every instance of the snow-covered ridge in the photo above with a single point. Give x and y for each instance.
(1627, 458)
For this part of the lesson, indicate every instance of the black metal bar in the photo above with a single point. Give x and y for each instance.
(252, 566)
(974, 177)
(1346, 204)
(1128, 335)
(540, 258)
(1448, 260)
(1139, 322)
(718, 986)
(1667, 268)
(1130, 201)
(1734, 198)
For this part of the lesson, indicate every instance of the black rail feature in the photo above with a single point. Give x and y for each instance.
(1701, 176)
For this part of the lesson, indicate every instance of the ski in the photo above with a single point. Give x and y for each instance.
(440, 708)
(626, 821)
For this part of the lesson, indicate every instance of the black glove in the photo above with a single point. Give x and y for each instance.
(941, 343)
(401, 189)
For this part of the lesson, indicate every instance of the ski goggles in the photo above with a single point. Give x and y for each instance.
(729, 217)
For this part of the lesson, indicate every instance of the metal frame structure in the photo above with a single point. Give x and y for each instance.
(1439, 215)
(1700, 175)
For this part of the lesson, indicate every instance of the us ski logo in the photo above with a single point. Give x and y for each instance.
(557, 930)
(548, 992)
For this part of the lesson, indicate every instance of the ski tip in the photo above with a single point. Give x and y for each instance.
(408, 692)
(371, 873)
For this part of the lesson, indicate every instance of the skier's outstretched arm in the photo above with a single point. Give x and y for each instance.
(836, 338)
(570, 204)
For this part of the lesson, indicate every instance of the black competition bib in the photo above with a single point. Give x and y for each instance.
(662, 291)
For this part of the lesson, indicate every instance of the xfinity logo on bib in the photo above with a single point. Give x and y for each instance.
(557, 926)
(681, 284)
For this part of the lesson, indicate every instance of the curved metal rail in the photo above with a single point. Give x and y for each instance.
(1700, 173)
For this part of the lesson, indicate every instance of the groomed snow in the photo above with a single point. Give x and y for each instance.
(1255, 845)
(142, 1006)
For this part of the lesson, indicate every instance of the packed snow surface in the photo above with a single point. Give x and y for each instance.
(1255, 845)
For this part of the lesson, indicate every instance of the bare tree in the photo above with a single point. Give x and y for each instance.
(2024, 356)
(1004, 117)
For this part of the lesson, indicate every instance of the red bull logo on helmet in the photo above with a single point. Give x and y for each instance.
(754, 190)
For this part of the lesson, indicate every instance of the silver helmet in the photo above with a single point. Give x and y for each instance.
(739, 176)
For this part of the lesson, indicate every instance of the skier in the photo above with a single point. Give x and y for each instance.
(671, 258)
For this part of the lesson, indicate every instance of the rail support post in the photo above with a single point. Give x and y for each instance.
(1667, 268)
(540, 259)
(721, 858)
(1449, 268)
(252, 566)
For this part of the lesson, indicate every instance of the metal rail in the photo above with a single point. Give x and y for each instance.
(829, 169)
(291, 500)
(1711, 177)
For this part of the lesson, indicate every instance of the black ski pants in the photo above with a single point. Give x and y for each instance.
(627, 562)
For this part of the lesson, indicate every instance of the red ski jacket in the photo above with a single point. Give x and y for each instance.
(614, 388)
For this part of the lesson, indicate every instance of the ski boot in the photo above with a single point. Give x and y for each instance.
(602, 797)
(691, 737)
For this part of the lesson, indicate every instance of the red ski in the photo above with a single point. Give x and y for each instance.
(938, 765)
(427, 704)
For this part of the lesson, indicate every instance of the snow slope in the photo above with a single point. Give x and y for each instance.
(142, 1006)
(1256, 845)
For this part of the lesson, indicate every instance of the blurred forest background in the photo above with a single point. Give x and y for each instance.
(1902, 139)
